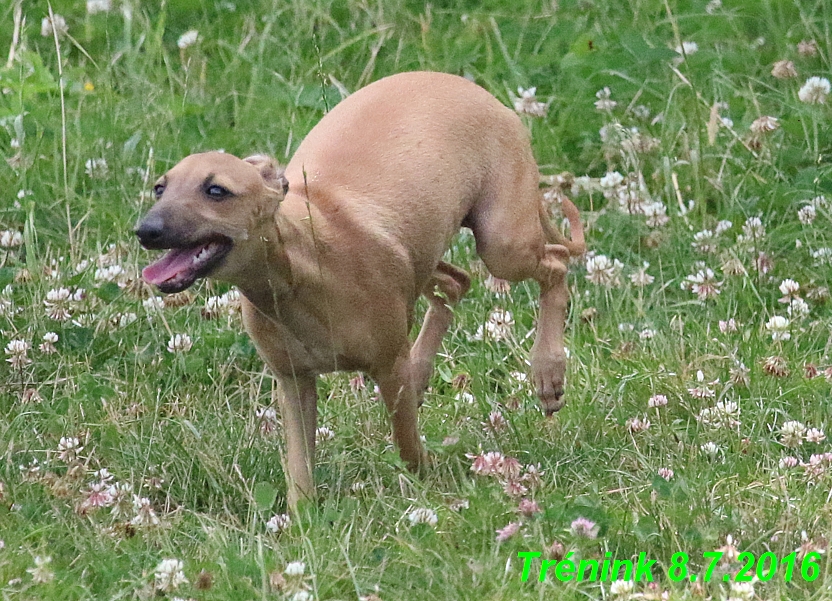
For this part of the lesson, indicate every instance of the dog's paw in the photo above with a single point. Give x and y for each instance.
(548, 376)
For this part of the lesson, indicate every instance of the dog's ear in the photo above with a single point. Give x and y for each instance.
(270, 171)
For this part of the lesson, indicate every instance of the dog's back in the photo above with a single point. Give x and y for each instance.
(407, 158)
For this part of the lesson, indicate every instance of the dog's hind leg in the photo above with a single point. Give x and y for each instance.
(444, 289)
(548, 266)
(399, 394)
(515, 242)
(548, 355)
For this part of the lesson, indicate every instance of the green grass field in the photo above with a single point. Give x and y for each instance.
(699, 333)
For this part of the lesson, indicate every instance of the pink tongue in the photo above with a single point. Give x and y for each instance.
(173, 263)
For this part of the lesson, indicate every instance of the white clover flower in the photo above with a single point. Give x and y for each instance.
(604, 103)
(189, 38)
(641, 112)
(267, 419)
(145, 514)
(323, 434)
(602, 271)
(96, 168)
(705, 242)
(779, 328)
(822, 256)
(527, 103)
(584, 528)
(622, 588)
(647, 334)
(169, 575)
(153, 303)
(641, 278)
(788, 288)
(764, 124)
(611, 180)
(687, 48)
(666, 473)
(729, 409)
(180, 343)
(727, 122)
(48, 345)
(788, 463)
(784, 69)
(635, 425)
(703, 284)
(710, 448)
(798, 308)
(266, 413)
(278, 522)
(807, 214)
(498, 327)
(10, 239)
(122, 320)
(54, 24)
(814, 91)
(422, 515)
(657, 400)
(792, 433)
(68, 448)
(97, 495)
(713, 6)
(41, 573)
(807, 48)
(99, 6)
(656, 213)
(815, 435)
(722, 227)
(229, 304)
(753, 228)
(109, 274)
(724, 414)
(742, 591)
(16, 350)
(295, 569)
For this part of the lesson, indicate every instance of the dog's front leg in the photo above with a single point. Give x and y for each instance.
(298, 400)
(401, 400)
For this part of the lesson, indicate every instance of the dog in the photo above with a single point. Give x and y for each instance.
(332, 253)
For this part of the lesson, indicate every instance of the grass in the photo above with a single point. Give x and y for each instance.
(183, 429)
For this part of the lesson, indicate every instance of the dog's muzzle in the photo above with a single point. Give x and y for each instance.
(150, 231)
(187, 259)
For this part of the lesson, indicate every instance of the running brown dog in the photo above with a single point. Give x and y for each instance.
(332, 253)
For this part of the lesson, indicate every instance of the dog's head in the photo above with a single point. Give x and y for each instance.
(208, 214)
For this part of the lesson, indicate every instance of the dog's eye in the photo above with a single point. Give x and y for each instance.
(158, 189)
(217, 192)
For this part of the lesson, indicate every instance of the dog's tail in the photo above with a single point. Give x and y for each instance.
(577, 245)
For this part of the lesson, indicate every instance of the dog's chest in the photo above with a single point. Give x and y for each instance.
(291, 340)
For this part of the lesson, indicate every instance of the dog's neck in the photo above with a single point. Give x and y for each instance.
(284, 257)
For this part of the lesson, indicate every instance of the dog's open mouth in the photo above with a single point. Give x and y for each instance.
(181, 267)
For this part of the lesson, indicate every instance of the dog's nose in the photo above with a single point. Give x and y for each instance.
(150, 230)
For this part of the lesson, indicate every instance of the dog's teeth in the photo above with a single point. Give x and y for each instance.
(204, 253)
